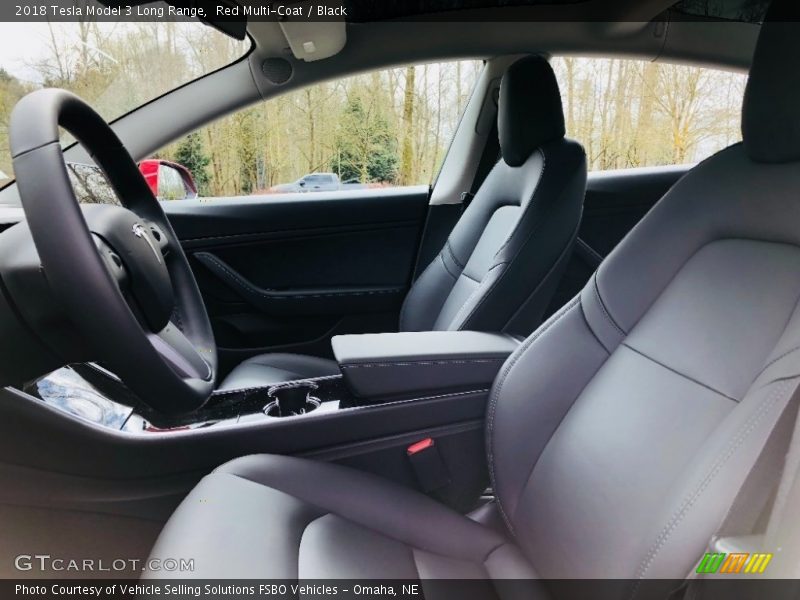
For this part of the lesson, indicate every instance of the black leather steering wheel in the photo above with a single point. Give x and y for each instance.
(118, 271)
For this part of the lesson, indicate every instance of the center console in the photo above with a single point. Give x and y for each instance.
(377, 370)
(397, 365)
(396, 392)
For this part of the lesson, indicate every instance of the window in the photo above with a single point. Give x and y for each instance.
(386, 128)
(629, 113)
(319, 179)
(116, 67)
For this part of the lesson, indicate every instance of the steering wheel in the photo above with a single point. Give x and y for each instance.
(118, 272)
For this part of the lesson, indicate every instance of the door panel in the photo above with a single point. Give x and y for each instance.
(286, 272)
(615, 202)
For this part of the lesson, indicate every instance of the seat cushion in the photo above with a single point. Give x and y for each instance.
(268, 369)
(276, 517)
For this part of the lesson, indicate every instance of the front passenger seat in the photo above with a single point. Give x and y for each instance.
(499, 267)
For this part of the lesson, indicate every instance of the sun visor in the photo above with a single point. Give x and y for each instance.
(312, 40)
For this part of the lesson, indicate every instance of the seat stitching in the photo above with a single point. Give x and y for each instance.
(603, 307)
(405, 304)
(500, 381)
(426, 363)
(444, 264)
(478, 281)
(592, 332)
(475, 292)
(453, 254)
(689, 501)
(528, 204)
(404, 309)
(684, 375)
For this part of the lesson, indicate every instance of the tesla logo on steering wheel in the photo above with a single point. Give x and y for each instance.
(140, 231)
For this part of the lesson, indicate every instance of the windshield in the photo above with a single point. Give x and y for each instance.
(115, 67)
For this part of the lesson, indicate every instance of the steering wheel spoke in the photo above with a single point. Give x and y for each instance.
(161, 240)
(180, 354)
(113, 263)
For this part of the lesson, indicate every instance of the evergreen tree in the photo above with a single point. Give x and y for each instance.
(365, 149)
(384, 158)
(191, 154)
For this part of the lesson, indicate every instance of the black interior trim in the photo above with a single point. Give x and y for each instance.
(307, 300)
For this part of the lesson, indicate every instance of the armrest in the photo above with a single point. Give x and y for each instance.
(403, 364)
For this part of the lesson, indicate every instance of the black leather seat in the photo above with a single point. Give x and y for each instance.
(617, 435)
(502, 261)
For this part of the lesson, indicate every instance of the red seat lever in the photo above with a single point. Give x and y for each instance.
(419, 446)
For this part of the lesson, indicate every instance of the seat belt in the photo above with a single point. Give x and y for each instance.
(442, 218)
(489, 158)
(754, 498)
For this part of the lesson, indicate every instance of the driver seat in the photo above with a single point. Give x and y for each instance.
(619, 433)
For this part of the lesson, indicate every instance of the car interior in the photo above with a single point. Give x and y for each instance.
(526, 372)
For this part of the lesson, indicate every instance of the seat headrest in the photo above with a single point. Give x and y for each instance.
(529, 111)
(771, 112)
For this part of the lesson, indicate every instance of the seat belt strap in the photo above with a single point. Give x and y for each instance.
(488, 160)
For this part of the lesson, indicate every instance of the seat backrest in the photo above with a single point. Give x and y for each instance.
(621, 431)
(499, 267)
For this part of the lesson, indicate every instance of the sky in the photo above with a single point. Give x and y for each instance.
(22, 43)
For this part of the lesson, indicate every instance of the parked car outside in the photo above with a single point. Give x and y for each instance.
(316, 182)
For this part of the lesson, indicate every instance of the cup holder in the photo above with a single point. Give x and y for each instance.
(292, 399)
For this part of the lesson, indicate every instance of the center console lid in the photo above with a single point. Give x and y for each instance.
(430, 362)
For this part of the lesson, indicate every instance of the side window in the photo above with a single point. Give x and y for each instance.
(630, 113)
(386, 128)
